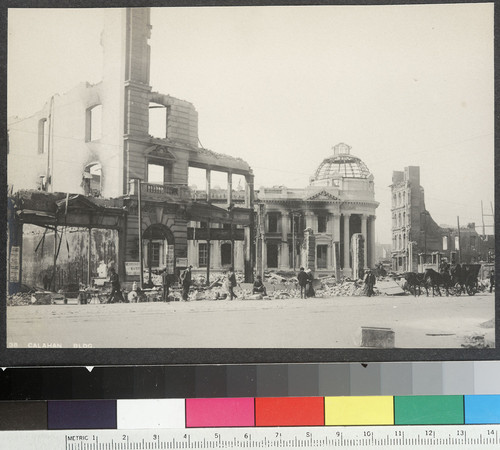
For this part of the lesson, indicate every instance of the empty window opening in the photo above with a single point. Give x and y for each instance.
(197, 180)
(156, 173)
(219, 182)
(94, 123)
(43, 136)
(321, 260)
(158, 115)
(92, 180)
(202, 255)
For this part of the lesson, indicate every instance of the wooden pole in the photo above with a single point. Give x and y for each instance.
(54, 268)
(208, 253)
(89, 274)
(139, 218)
(459, 247)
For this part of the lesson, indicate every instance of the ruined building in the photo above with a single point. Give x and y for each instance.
(416, 236)
(313, 227)
(89, 160)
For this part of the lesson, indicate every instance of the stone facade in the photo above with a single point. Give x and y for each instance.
(312, 227)
(415, 233)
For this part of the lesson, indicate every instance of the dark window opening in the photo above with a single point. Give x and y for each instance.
(203, 225)
(225, 254)
(154, 254)
(321, 261)
(226, 226)
(272, 256)
(322, 221)
(273, 223)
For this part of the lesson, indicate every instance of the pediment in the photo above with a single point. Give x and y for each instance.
(321, 196)
(160, 151)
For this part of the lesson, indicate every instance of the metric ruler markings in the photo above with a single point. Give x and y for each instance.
(457, 438)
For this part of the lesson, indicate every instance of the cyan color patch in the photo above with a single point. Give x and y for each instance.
(482, 409)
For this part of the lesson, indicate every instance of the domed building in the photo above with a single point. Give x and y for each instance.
(313, 227)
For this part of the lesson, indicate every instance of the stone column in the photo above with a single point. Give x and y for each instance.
(371, 242)
(364, 232)
(208, 184)
(309, 220)
(229, 189)
(336, 227)
(264, 255)
(347, 263)
(285, 263)
(249, 192)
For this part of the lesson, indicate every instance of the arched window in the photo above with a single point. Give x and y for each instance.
(404, 218)
(92, 180)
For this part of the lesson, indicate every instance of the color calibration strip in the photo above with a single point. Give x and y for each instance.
(250, 412)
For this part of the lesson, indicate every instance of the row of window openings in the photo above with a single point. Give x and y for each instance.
(273, 251)
(273, 220)
(399, 242)
(399, 199)
(158, 115)
(399, 220)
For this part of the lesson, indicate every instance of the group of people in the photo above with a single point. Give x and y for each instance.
(305, 280)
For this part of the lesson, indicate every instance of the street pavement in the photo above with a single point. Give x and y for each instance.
(423, 322)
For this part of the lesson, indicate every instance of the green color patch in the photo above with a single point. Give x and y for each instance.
(429, 410)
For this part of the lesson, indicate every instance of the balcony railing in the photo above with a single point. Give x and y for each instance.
(157, 190)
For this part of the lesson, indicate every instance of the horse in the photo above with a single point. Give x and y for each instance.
(415, 281)
(436, 279)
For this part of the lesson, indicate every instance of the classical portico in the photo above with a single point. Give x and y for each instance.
(313, 227)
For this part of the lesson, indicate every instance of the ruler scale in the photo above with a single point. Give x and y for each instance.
(458, 437)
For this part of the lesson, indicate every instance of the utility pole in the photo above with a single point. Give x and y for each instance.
(139, 218)
(459, 249)
(293, 240)
(482, 219)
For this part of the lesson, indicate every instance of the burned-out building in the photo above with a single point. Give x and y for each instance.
(416, 236)
(97, 142)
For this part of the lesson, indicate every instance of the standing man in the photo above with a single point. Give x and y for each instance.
(302, 277)
(186, 283)
(231, 277)
(116, 292)
(369, 282)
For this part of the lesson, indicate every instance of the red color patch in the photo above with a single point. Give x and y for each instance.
(289, 411)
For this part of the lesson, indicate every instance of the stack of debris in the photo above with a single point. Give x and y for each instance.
(19, 299)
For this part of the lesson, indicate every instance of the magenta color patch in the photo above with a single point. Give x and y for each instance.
(220, 412)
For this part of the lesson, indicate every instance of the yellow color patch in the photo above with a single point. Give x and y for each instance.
(359, 410)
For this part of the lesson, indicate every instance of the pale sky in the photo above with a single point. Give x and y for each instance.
(279, 86)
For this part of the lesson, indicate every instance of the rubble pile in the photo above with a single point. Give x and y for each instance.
(19, 299)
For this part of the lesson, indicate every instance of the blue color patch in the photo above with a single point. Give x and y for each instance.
(81, 414)
(483, 409)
